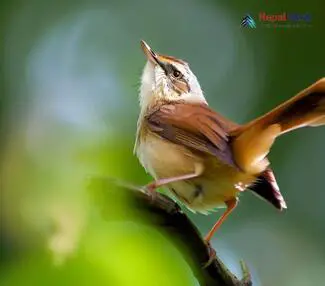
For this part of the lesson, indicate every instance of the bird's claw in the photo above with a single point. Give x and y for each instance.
(150, 190)
(212, 255)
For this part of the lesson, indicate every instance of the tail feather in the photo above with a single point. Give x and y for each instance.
(256, 137)
(267, 188)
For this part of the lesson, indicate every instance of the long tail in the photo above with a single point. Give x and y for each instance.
(252, 141)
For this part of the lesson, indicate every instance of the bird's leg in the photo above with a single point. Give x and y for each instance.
(151, 187)
(231, 205)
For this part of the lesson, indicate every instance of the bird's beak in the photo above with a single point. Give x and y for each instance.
(151, 55)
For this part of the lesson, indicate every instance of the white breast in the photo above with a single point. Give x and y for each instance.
(163, 159)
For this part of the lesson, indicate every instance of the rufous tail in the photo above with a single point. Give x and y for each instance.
(252, 141)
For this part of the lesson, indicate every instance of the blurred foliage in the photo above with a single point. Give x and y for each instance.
(69, 79)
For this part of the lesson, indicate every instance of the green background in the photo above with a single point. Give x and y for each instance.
(70, 74)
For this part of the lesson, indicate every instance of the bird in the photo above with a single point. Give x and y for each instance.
(204, 159)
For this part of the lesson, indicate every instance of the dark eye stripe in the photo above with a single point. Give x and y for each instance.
(174, 68)
(170, 68)
(180, 84)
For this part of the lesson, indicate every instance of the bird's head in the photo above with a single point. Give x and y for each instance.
(167, 78)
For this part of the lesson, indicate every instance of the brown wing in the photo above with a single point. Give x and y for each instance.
(195, 126)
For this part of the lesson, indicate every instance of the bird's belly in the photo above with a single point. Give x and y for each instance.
(163, 159)
(203, 195)
(217, 184)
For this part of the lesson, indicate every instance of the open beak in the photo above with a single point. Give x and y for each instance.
(151, 55)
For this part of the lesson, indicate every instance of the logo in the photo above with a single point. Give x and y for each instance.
(279, 20)
(285, 20)
(248, 22)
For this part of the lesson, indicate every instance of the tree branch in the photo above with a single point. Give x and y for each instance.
(166, 214)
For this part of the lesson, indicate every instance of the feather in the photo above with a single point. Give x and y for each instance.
(267, 188)
(195, 126)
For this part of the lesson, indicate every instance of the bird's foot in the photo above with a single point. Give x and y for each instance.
(212, 254)
(151, 191)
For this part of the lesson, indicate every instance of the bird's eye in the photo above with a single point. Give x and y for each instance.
(177, 74)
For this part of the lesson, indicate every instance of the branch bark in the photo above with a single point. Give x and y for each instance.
(167, 215)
